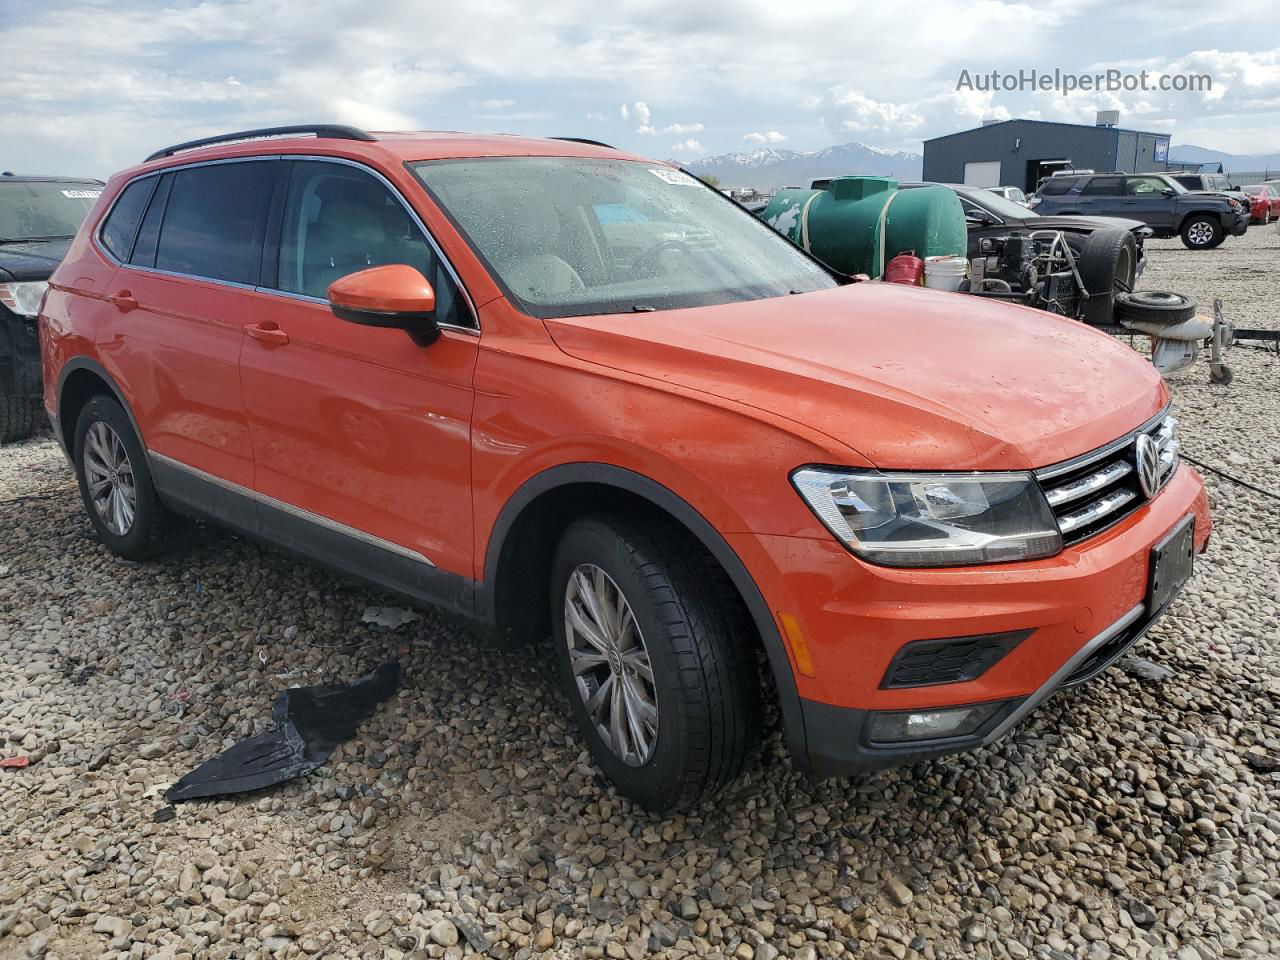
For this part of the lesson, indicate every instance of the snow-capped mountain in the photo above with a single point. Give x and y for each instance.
(770, 167)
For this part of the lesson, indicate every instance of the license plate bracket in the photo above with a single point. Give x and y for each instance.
(1172, 562)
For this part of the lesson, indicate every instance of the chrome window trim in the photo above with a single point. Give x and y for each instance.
(1076, 463)
(312, 157)
(297, 512)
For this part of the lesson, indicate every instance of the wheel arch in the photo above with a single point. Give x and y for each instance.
(524, 537)
(80, 379)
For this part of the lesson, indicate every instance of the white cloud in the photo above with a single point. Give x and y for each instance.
(679, 128)
(771, 136)
(688, 148)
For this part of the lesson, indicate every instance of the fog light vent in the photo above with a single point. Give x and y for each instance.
(944, 723)
(924, 663)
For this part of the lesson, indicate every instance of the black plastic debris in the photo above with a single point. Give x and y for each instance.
(310, 723)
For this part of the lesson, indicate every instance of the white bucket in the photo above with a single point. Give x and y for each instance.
(945, 273)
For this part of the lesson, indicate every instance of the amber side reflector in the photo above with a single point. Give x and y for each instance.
(795, 640)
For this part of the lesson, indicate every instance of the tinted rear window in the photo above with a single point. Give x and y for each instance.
(1104, 187)
(122, 222)
(213, 221)
(1056, 186)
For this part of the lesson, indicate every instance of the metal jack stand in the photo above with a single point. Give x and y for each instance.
(1223, 336)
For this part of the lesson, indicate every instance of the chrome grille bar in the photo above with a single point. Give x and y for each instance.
(1091, 483)
(1095, 511)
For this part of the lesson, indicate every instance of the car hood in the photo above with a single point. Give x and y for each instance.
(1070, 222)
(905, 377)
(31, 259)
(1204, 195)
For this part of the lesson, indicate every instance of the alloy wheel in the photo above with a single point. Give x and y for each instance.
(1200, 233)
(611, 667)
(109, 475)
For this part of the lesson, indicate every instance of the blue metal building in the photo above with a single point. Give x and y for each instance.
(1019, 153)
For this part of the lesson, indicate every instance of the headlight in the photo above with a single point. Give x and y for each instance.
(23, 298)
(932, 520)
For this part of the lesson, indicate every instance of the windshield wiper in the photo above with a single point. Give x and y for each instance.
(642, 308)
(35, 239)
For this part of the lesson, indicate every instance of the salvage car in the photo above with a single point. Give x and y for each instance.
(38, 218)
(1013, 194)
(1211, 183)
(1202, 219)
(713, 458)
(1264, 202)
(1107, 262)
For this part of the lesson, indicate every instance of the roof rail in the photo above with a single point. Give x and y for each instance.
(328, 131)
(594, 143)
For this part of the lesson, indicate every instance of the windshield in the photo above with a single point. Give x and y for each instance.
(571, 236)
(1177, 187)
(1002, 208)
(39, 210)
(1254, 191)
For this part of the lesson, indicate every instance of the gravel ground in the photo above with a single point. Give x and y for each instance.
(1135, 817)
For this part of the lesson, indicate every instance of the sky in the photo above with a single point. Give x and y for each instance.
(88, 87)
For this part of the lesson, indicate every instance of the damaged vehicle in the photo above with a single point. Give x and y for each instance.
(677, 467)
(38, 218)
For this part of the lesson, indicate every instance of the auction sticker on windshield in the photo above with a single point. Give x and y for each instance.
(82, 194)
(673, 177)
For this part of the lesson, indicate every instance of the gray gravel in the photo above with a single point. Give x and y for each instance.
(1136, 817)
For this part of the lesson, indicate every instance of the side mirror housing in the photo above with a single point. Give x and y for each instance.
(395, 296)
(1168, 192)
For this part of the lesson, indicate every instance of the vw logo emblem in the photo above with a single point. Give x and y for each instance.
(1147, 453)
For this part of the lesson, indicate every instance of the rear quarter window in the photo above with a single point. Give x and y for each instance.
(214, 219)
(121, 225)
(1057, 186)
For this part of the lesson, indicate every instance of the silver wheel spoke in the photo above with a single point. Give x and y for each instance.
(610, 664)
(109, 478)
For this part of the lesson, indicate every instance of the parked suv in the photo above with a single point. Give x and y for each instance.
(424, 360)
(1202, 219)
(38, 218)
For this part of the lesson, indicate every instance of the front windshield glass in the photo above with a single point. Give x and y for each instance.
(570, 236)
(1177, 187)
(1253, 191)
(39, 210)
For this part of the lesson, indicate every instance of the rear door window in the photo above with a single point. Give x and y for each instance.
(214, 221)
(1057, 186)
(121, 224)
(1103, 187)
(338, 220)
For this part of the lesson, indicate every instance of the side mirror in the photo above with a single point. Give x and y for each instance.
(395, 296)
(978, 219)
(1168, 192)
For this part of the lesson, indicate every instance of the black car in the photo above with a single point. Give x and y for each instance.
(1201, 218)
(990, 215)
(39, 216)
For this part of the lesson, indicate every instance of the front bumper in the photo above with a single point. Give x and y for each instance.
(1077, 612)
(19, 357)
(1236, 224)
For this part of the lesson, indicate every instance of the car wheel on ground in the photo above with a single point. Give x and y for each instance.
(1154, 306)
(1202, 232)
(115, 482)
(1108, 266)
(18, 418)
(654, 655)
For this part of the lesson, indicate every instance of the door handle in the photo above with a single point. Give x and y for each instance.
(267, 332)
(124, 301)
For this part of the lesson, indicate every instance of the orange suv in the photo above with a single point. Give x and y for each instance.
(562, 391)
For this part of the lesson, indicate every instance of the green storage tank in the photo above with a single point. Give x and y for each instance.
(844, 225)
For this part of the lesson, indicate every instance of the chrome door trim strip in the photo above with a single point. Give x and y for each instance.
(1049, 686)
(293, 511)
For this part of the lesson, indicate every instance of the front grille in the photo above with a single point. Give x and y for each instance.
(1090, 493)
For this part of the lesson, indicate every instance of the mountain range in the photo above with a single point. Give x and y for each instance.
(770, 167)
(1190, 153)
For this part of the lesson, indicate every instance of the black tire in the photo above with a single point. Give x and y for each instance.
(1202, 231)
(1154, 306)
(152, 524)
(1108, 266)
(18, 418)
(698, 639)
